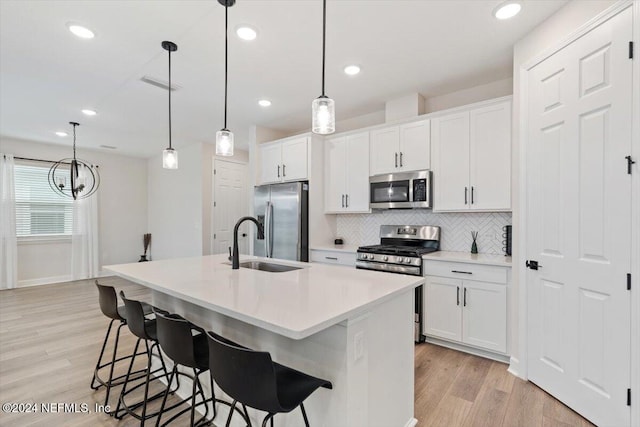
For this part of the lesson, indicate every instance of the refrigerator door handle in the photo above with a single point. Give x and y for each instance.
(270, 230)
(267, 229)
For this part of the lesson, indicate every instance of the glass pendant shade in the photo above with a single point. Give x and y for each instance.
(224, 143)
(170, 159)
(324, 116)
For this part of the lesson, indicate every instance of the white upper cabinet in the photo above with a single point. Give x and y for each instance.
(347, 174)
(472, 159)
(282, 161)
(401, 148)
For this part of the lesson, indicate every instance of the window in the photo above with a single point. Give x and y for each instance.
(40, 211)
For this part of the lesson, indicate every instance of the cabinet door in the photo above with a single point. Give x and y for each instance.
(385, 150)
(335, 166)
(270, 163)
(450, 137)
(490, 157)
(415, 146)
(294, 159)
(358, 172)
(443, 308)
(485, 315)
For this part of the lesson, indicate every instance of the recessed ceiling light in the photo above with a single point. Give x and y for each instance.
(61, 134)
(245, 32)
(87, 112)
(351, 70)
(264, 103)
(80, 31)
(507, 10)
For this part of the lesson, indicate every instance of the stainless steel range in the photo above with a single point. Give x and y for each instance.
(400, 251)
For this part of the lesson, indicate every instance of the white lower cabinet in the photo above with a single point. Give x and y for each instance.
(463, 310)
(333, 257)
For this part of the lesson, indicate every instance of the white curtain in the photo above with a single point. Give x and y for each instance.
(8, 240)
(84, 237)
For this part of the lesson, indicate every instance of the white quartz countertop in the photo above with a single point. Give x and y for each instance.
(295, 304)
(486, 259)
(336, 248)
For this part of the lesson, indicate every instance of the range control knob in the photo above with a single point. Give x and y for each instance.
(399, 259)
(385, 258)
(407, 260)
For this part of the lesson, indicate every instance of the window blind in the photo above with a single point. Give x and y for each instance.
(40, 211)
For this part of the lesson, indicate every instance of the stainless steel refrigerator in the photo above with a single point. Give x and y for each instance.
(283, 210)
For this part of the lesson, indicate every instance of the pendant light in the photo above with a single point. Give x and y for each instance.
(83, 177)
(323, 107)
(170, 156)
(224, 137)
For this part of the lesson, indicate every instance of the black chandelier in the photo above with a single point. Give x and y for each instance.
(84, 178)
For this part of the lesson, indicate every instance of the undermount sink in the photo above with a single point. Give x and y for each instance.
(268, 266)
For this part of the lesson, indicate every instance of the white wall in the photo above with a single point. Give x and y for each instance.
(122, 200)
(545, 36)
(469, 96)
(180, 214)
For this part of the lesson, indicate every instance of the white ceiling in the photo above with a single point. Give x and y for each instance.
(47, 75)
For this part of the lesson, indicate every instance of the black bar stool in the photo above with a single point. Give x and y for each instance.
(251, 378)
(145, 330)
(178, 341)
(109, 306)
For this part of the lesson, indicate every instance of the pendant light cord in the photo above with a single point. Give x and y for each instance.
(324, 30)
(170, 87)
(74, 140)
(226, 42)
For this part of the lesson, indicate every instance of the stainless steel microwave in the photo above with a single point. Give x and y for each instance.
(409, 190)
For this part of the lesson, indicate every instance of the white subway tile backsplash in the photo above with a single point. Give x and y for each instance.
(364, 229)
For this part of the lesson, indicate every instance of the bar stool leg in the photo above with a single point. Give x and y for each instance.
(126, 381)
(267, 418)
(304, 415)
(146, 385)
(104, 345)
(233, 407)
(166, 394)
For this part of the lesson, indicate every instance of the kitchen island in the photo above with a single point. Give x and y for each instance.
(351, 327)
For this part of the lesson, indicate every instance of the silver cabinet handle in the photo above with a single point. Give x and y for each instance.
(331, 258)
(346, 198)
(472, 194)
(465, 195)
(396, 159)
(457, 295)
(278, 171)
(464, 298)
(283, 171)
(401, 159)
(461, 272)
(343, 200)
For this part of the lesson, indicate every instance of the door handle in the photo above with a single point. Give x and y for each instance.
(396, 159)
(465, 195)
(278, 171)
(533, 265)
(472, 194)
(457, 295)
(401, 159)
(346, 203)
(343, 200)
(283, 171)
(464, 298)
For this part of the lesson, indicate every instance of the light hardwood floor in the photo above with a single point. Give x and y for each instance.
(50, 337)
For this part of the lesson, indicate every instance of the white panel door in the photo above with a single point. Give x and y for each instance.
(294, 159)
(270, 163)
(335, 166)
(230, 203)
(357, 157)
(443, 308)
(415, 146)
(579, 217)
(484, 315)
(490, 157)
(450, 138)
(385, 147)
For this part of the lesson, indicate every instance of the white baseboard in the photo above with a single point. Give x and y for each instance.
(514, 368)
(411, 423)
(467, 349)
(43, 281)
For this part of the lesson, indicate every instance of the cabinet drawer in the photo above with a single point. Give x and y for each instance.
(330, 257)
(460, 270)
